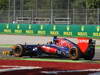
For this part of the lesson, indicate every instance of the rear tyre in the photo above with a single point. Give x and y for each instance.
(74, 53)
(90, 54)
(18, 50)
(90, 51)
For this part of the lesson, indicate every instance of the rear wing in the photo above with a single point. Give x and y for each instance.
(84, 42)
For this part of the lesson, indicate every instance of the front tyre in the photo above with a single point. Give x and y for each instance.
(74, 53)
(18, 50)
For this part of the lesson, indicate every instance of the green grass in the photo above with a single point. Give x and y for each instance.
(6, 45)
(54, 60)
(98, 46)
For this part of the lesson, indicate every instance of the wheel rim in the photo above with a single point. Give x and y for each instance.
(73, 52)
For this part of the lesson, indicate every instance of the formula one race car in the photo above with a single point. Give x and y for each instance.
(85, 48)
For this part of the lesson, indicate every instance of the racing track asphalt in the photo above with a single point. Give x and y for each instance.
(22, 39)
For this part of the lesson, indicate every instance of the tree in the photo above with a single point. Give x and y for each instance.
(85, 3)
(93, 3)
(60, 4)
(3, 4)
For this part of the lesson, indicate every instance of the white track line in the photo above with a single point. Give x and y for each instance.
(14, 68)
(56, 72)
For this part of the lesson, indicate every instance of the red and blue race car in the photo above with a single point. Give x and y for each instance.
(85, 48)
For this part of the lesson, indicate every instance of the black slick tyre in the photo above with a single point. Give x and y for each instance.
(18, 50)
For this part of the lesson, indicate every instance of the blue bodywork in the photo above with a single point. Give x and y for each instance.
(33, 49)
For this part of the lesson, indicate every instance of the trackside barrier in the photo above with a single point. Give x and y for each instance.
(52, 30)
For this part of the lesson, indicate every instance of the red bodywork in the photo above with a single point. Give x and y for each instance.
(64, 43)
(49, 49)
(83, 44)
(59, 42)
